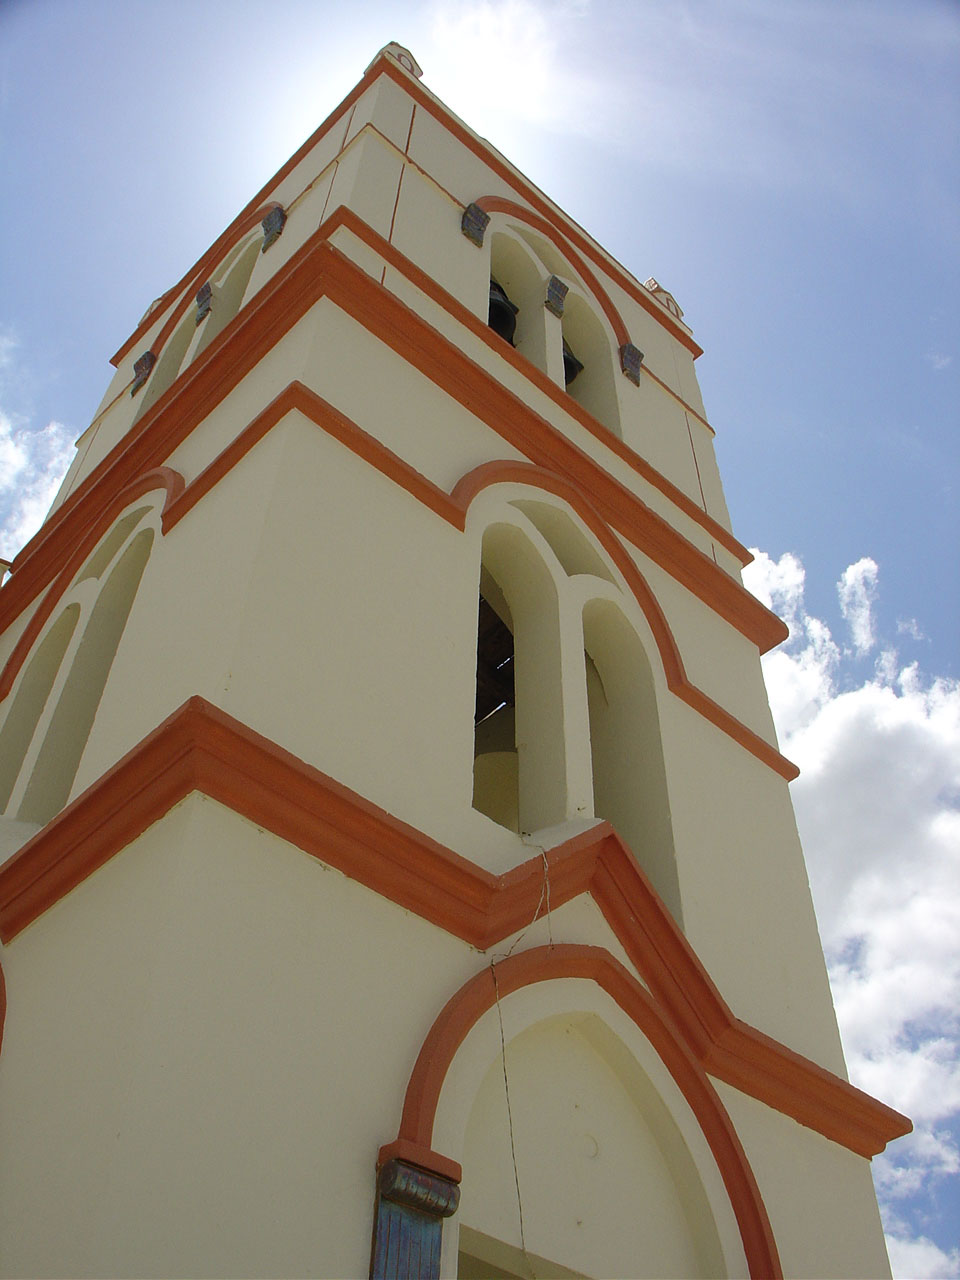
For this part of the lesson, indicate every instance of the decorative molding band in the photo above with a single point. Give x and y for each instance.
(383, 65)
(201, 748)
(316, 270)
(345, 217)
(450, 507)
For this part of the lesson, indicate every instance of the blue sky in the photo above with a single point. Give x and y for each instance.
(789, 171)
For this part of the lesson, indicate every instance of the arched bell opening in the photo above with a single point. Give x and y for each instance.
(31, 698)
(519, 776)
(588, 362)
(495, 767)
(66, 735)
(629, 777)
(168, 365)
(227, 294)
(515, 310)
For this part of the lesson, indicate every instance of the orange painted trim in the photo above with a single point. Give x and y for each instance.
(199, 273)
(193, 395)
(317, 270)
(297, 398)
(677, 680)
(344, 217)
(453, 508)
(423, 1157)
(244, 216)
(566, 960)
(201, 748)
(687, 408)
(417, 342)
(543, 205)
(433, 106)
(160, 478)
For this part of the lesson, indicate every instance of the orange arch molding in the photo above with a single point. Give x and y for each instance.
(201, 272)
(677, 680)
(316, 270)
(159, 478)
(453, 508)
(201, 748)
(497, 204)
(566, 960)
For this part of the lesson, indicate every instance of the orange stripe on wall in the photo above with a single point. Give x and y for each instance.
(316, 270)
(385, 67)
(201, 748)
(453, 508)
(160, 478)
(345, 217)
(566, 960)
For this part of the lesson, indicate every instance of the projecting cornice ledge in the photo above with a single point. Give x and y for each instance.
(201, 748)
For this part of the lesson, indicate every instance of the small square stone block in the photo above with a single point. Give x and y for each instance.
(141, 370)
(204, 301)
(556, 296)
(474, 224)
(630, 361)
(273, 225)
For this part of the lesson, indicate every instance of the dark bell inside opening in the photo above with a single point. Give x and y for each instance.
(571, 365)
(502, 315)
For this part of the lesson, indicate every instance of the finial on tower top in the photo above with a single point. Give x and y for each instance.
(401, 55)
(662, 296)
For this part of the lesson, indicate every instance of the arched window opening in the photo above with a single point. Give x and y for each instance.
(228, 294)
(31, 698)
(519, 751)
(495, 770)
(629, 778)
(588, 357)
(110, 545)
(519, 278)
(59, 757)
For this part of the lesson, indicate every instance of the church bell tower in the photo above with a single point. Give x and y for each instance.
(400, 871)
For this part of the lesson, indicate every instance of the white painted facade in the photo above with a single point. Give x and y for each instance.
(208, 1038)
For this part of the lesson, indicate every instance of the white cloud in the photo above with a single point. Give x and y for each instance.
(938, 360)
(32, 464)
(857, 590)
(920, 1257)
(878, 806)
